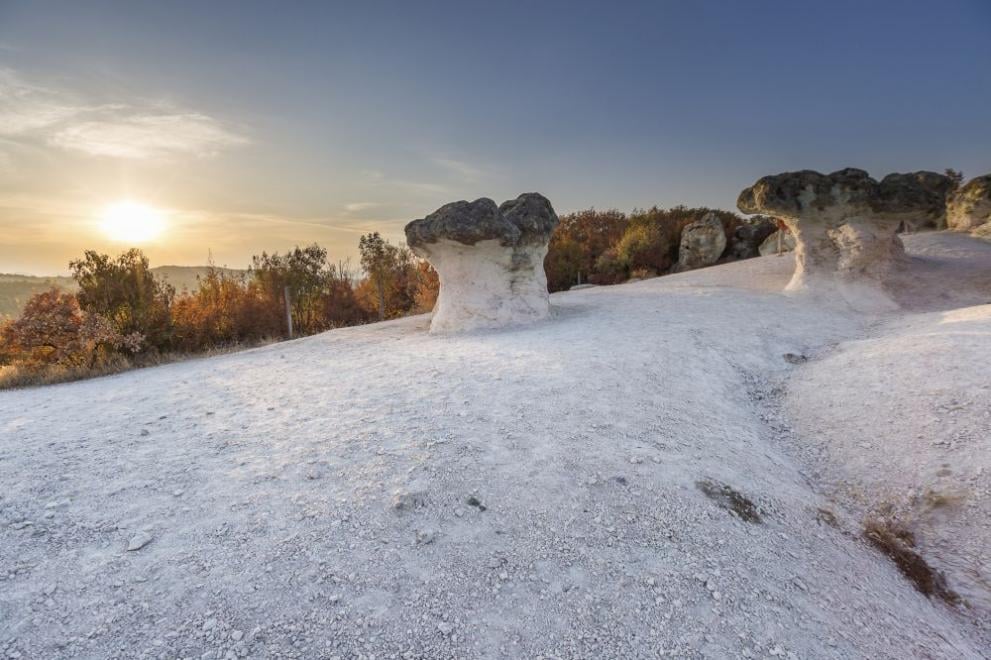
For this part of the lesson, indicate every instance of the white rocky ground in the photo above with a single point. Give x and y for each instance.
(381, 492)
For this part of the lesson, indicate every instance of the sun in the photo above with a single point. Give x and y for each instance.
(132, 222)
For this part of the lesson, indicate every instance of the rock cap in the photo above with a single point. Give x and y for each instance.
(528, 219)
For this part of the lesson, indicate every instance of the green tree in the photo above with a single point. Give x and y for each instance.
(305, 272)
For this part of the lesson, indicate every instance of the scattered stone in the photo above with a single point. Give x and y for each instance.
(425, 536)
(795, 358)
(139, 540)
(475, 502)
(405, 500)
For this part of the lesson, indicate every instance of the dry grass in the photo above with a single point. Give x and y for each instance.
(17, 377)
(898, 543)
(730, 499)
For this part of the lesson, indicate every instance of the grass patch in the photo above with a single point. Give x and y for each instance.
(17, 376)
(730, 499)
(898, 543)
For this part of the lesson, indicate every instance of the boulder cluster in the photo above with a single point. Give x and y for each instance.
(490, 260)
(845, 225)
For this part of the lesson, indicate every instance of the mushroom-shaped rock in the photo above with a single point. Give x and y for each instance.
(702, 243)
(969, 208)
(844, 225)
(490, 260)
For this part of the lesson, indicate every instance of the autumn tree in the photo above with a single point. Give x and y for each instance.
(124, 291)
(226, 308)
(375, 262)
(428, 287)
(53, 330)
(578, 241)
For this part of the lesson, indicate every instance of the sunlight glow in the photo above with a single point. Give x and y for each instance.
(132, 222)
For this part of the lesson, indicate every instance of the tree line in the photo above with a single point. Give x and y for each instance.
(121, 315)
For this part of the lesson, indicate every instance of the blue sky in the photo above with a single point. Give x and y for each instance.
(262, 125)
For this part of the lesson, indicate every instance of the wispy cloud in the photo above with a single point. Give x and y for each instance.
(133, 130)
(357, 207)
(148, 136)
(463, 170)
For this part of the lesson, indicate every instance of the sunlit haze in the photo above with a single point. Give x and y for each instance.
(132, 222)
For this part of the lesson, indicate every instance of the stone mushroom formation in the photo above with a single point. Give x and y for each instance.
(845, 226)
(490, 260)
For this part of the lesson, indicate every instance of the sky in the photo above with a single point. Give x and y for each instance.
(257, 126)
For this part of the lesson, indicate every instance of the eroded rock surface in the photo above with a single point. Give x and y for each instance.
(920, 196)
(845, 226)
(490, 260)
(749, 235)
(969, 208)
(771, 245)
(702, 243)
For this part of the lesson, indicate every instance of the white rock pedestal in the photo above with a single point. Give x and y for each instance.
(490, 261)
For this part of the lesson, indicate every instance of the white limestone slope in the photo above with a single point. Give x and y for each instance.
(324, 497)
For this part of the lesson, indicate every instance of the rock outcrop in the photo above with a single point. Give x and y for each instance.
(924, 192)
(749, 236)
(845, 226)
(702, 243)
(969, 208)
(490, 260)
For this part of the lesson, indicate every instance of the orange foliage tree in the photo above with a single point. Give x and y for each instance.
(54, 331)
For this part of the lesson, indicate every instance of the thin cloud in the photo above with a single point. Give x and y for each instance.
(132, 130)
(25, 107)
(356, 207)
(148, 136)
(466, 172)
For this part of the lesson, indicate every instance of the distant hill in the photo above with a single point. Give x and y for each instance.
(16, 289)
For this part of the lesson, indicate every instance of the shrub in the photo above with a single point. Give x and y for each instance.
(54, 331)
(225, 309)
(578, 242)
